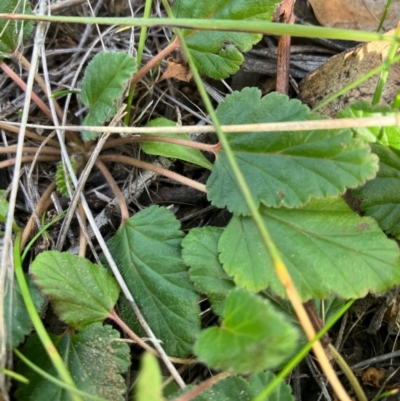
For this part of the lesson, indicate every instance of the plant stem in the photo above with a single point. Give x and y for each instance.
(29, 134)
(385, 72)
(42, 205)
(348, 373)
(27, 159)
(48, 345)
(22, 85)
(176, 141)
(19, 57)
(203, 386)
(154, 61)
(142, 41)
(284, 14)
(45, 150)
(148, 166)
(114, 187)
(230, 25)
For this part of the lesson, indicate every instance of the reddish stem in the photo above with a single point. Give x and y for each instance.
(118, 194)
(159, 170)
(45, 150)
(284, 13)
(182, 142)
(203, 386)
(27, 159)
(29, 134)
(44, 202)
(22, 85)
(133, 336)
(154, 61)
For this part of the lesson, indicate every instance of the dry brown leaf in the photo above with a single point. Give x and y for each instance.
(355, 14)
(373, 377)
(176, 70)
(343, 69)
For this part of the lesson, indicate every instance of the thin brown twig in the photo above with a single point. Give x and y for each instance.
(44, 202)
(40, 81)
(22, 85)
(27, 159)
(29, 134)
(148, 166)
(154, 61)
(44, 150)
(284, 13)
(118, 194)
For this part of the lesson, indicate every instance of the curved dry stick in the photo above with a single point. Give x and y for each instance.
(45, 150)
(175, 141)
(44, 202)
(27, 159)
(114, 187)
(82, 237)
(127, 330)
(32, 135)
(154, 61)
(22, 85)
(40, 81)
(148, 166)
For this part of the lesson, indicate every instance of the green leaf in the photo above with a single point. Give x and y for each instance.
(147, 250)
(327, 248)
(80, 292)
(60, 177)
(95, 357)
(389, 136)
(276, 165)
(103, 83)
(200, 252)
(174, 151)
(13, 33)
(3, 204)
(258, 381)
(253, 336)
(18, 322)
(149, 383)
(235, 388)
(381, 196)
(217, 54)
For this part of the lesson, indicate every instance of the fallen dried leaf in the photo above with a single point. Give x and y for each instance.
(343, 69)
(373, 377)
(176, 70)
(355, 14)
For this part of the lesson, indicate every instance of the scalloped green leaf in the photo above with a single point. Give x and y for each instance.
(389, 136)
(80, 292)
(235, 388)
(258, 381)
(327, 249)
(147, 251)
(381, 196)
(96, 358)
(174, 151)
(12, 32)
(149, 382)
(103, 84)
(277, 164)
(253, 336)
(218, 54)
(18, 322)
(200, 252)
